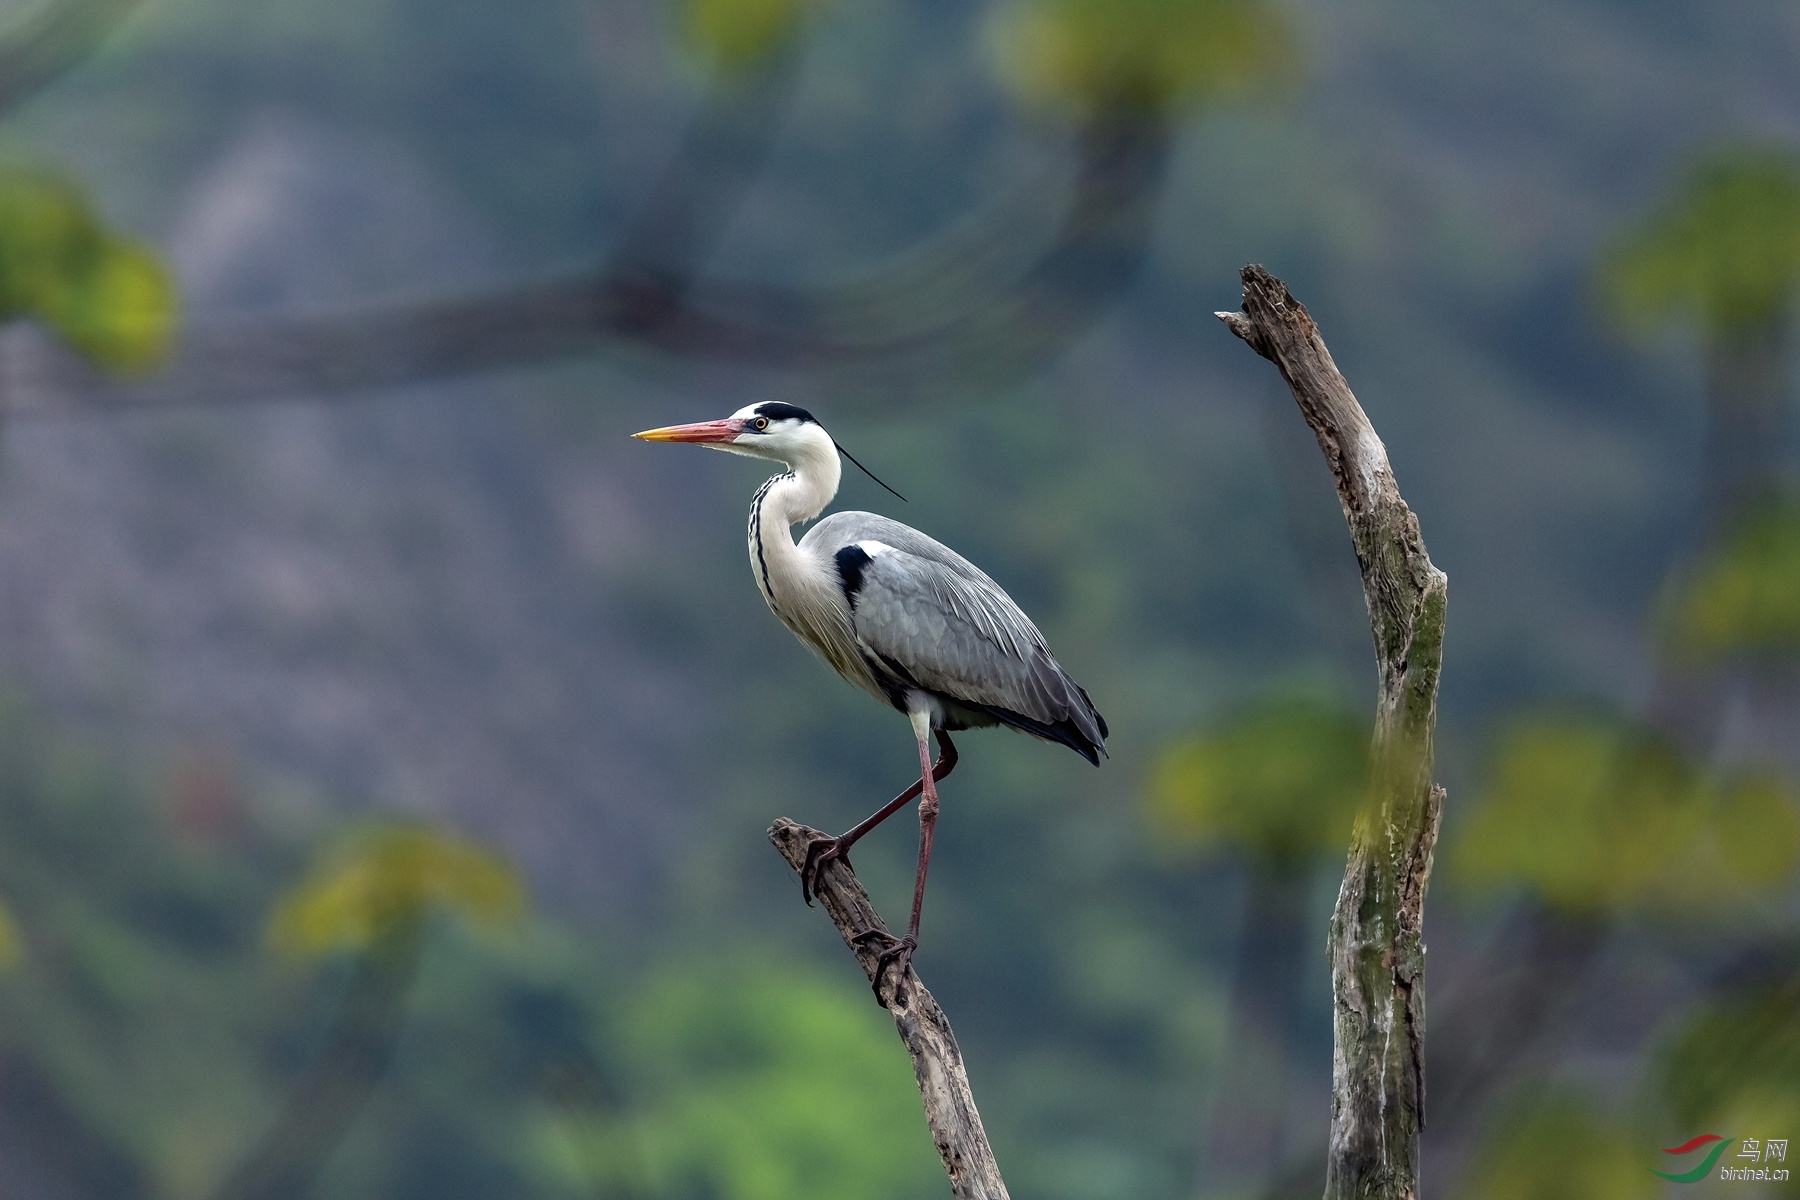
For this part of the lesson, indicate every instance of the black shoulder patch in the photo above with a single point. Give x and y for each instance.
(851, 561)
(777, 410)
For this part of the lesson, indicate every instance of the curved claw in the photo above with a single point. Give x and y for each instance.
(818, 855)
(896, 952)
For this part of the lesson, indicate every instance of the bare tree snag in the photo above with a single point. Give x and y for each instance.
(937, 1063)
(1377, 954)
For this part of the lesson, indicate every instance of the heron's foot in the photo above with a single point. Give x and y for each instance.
(818, 854)
(895, 953)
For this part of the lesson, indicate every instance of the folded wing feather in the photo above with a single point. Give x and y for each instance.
(925, 609)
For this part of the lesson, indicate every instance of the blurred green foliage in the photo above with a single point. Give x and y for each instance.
(12, 946)
(1736, 1061)
(159, 1037)
(1141, 56)
(1281, 782)
(140, 922)
(1600, 816)
(141, 1004)
(106, 295)
(389, 876)
(736, 35)
(763, 1082)
(1742, 599)
(1725, 248)
(1559, 1147)
(163, 1034)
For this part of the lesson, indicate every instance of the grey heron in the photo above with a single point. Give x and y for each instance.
(898, 614)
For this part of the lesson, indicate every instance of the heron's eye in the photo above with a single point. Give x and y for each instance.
(760, 424)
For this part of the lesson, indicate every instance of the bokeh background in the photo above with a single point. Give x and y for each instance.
(386, 740)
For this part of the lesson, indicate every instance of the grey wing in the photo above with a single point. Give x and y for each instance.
(933, 618)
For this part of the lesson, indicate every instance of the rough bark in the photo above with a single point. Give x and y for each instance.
(937, 1063)
(1376, 948)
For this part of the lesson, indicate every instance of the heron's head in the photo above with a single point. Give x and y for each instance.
(773, 430)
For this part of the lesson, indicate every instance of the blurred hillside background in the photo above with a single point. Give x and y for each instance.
(387, 740)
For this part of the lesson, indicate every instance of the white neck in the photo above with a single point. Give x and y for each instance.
(811, 481)
(798, 495)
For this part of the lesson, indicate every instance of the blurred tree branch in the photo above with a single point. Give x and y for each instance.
(342, 1076)
(1278, 784)
(51, 41)
(1722, 252)
(1376, 947)
(376, 898)
(995, 297)
(937, 1063)
(971, 300)
(1644, 819)
(985, 297)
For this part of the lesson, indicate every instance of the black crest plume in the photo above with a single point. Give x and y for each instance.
(866, 471)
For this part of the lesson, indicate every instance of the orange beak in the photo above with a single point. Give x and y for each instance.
(701, 431)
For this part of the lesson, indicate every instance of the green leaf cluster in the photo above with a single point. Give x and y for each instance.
(1281, 782)
(105, 294)
(1743, 598)
(1140, 56)
(1725, 248)
(1737, 1061)
(763, 1082)
(736, 35)
(386, 878)
(1600, 816)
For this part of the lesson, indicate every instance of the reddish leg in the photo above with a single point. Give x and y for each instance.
(826, 849)
(898, 952)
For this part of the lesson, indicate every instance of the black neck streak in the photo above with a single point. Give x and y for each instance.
(756, 540)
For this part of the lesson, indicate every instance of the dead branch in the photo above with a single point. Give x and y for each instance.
(937, 1063)
(1377, 952)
